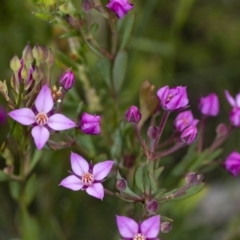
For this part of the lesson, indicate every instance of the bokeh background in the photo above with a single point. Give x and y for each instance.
(180, 42)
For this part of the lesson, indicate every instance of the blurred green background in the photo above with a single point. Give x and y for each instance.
(184, 42)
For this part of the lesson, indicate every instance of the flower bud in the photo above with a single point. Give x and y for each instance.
(221, 129)
(121, 184)
(188, 135)
(38, 53)
(27, 55)
(15, 64)
(50, 59)
(166, 227)
(67, 80)
(173, 99)
(152, 206)
(3, 115)
(209, 105)
(152, 132)
(37, 74)
(133, 114)
(86, 6)
(193, 178)
(90, 124)
(232, 163)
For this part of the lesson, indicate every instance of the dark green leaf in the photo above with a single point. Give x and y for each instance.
(104, 67)
(15, 190)
(69, 34)
(30, 189)
(3, 177)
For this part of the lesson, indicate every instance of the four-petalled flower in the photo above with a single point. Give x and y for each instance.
(43, 118)
(87, 177)
(184, 119)
(232, 163)
(146, 230)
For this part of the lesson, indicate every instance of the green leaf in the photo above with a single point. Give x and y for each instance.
(94, 28)
(158, 194)
(14, 190)
(119, 70)
(30, 189)
(69, 34)
(157, 172)
(104, 67)
(214, 155)
(142, 178)
(3, 177)
(43, 16)
(116, 148)
(127, 27)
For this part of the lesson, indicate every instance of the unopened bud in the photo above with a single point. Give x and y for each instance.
(152, 132)
(121, 184)
(38, 53)
(15, 64)
(193, 178)
(50, 59)
(152, 206)
(24, 73)
(86, 6)
(67, 80)
(37, 74)
(221, 130)
(166, 227)
(3, 115)
(27, 55)
(133, 114)
(189, 135)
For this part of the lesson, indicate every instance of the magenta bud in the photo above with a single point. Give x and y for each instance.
(193, 178)
(67, 80)
(152, 206)
(3, 115)
(166, 227)
(152, 132)
(172, 98)
(189, 135)
(232, 163)
(120, 7)
(121, 184)
(86, 6)
(133, 114)
(221, 129)
(90, 124)
(209, 105)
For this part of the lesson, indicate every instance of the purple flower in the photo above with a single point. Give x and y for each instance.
(120, 7)
(147, 230)
(42, 120)
(232, 163)
(184, 119)
(209, 105)
(188, 135)
(87, 177)
(235, 112)
(3, 115)
(90, 124)
(67, 80)
(173, 99)
(133, 114)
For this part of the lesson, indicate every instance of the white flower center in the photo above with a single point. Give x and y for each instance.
(139, 236)
(87, 179)
(41, 118)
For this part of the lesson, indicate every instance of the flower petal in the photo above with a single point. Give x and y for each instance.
(40, 135)
(44, 100)
(60, 122)
(96, 190)
(229, 98)
(25, 116)
(79, 164)
(72, 182)
(127, 227)
(151, 227)
(102, 169)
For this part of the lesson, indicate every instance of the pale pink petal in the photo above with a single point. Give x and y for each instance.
(102, 169)
(40, 135)
(229, 98)
(151, 227)
(25, 116)
(60, 122)
(72, 182)
(127, 227)
(96, 190)
(79, 164)
(238, 100)
(44, 100)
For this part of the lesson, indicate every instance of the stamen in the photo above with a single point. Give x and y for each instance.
(87, 179)
(41, 118)
(139, 236)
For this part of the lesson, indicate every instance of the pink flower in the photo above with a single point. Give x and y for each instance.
(87, 177)
(235, 112)
(120, 7)
(209, 105)
(189, 135)
(147, 230)
(67, 80)
(133, 114)
(173, 99)
(232, 163)
(42, 120)
(183, 120)
(90, 124)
